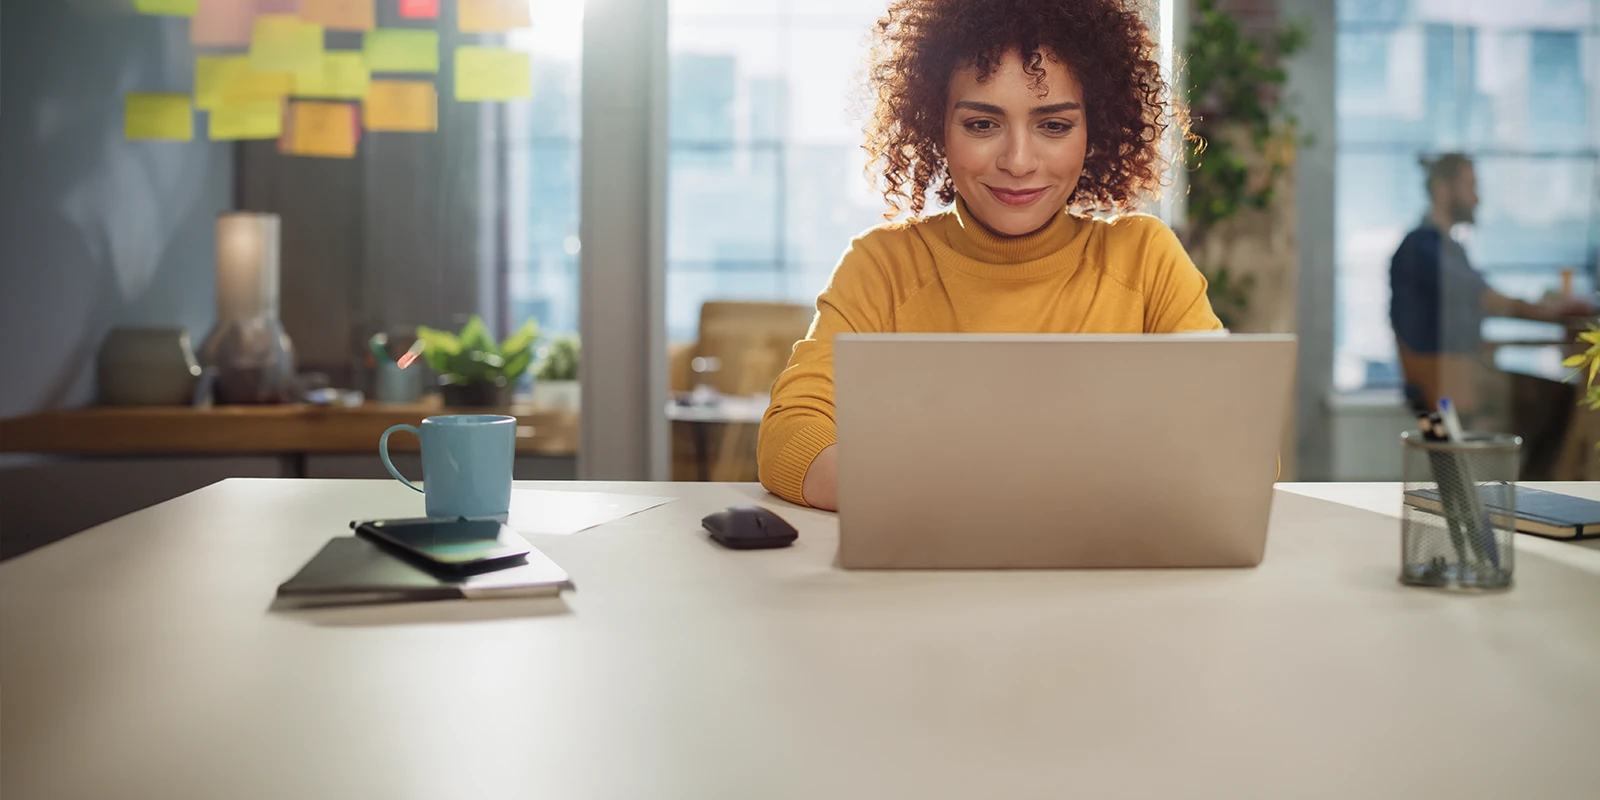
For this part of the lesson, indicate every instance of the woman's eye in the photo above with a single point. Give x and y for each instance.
(981, 125)
(1057, 127)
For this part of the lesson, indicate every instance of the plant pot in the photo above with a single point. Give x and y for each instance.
(556, 395)
(477, 395)
(147, 367)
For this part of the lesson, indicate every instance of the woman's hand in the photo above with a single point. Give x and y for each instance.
(821, 487)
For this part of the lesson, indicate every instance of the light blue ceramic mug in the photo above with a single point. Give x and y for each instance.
(466, 463)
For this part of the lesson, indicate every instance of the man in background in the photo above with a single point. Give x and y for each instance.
(1437, 309)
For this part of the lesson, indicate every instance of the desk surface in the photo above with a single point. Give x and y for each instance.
(141, 660)
(258, 429)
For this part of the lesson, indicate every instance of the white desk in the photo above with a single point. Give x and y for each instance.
(140, 661)
(1385, 498)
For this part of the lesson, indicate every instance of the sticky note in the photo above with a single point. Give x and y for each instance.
(419, 9)
(407, 106)
(253, 119)
(343, 75)
(229, 79)
(490, 73)
(490, 16)
(166, 8)
(327, 130)
(222, 22)
(281, 43)
(339, 15)
(158, 116)
(402, 50)
(290, 7)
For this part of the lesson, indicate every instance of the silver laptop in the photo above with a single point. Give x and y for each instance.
(1050, 451)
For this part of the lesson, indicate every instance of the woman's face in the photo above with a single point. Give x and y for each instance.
(1015, 154)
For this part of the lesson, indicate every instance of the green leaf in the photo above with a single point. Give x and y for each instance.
(518, 363)
(437, 347)
(523, 339)
(1575, 361)
(475, 336)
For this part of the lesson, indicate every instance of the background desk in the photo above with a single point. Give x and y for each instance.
(110, 461)
(140, 660)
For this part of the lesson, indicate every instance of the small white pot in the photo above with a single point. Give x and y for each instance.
(558, 395)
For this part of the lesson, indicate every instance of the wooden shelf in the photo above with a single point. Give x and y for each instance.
(282, 429)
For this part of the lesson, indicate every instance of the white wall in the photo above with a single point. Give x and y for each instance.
(95, 231)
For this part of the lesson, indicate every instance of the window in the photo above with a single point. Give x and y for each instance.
(765, 172)
(1514, 85)
(538, 168)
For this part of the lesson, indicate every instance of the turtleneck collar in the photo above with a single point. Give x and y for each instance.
(987, 254)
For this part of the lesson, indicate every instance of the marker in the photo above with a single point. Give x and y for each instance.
(410, 355)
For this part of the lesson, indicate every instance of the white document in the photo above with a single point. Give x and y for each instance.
(538, 511)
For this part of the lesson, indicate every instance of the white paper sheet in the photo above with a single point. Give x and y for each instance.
(537, 511)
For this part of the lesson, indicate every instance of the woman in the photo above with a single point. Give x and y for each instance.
(1025, 114)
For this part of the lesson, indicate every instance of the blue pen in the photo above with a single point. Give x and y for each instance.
(1478, 515)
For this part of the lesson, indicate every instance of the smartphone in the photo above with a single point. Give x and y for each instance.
(457, 545)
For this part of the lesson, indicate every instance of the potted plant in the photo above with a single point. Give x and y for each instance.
(473, 371)
(556, 385)
(1240, 148)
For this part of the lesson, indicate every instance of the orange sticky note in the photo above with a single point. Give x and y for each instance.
(254, 119)
(491, 16)
(325, 130)
(339, 15)
(489, 73)
(158, 116)
(223, 22)
(408, 106)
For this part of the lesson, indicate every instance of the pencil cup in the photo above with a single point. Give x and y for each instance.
(1458, 522)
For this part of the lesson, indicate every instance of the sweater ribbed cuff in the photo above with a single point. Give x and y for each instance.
(786, 476)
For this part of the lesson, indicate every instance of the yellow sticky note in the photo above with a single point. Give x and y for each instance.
(408, 106)
(167, 8)
(327, 130)
(489, 73)
(339, 15)
(158, 116)
(343, 75)
(489, 16)
(281, 43)
(254, 119)
(402, 50)
(229, 79)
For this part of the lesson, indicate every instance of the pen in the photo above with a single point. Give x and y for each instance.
(1433, 431)
(1478, 516)
(379, 344)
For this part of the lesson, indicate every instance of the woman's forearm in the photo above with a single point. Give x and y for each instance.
(821, 488)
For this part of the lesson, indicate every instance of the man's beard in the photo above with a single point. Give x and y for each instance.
(1463, 213)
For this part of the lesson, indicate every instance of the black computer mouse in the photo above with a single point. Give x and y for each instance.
(749, 528)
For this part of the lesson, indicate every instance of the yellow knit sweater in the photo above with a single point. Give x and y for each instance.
(949, 274)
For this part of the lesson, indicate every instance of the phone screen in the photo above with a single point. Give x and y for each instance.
(451, 542)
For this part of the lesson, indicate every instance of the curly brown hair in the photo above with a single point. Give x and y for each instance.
(917, 44)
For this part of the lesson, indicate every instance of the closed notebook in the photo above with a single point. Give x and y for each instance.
(1538, 512)
(351, 570)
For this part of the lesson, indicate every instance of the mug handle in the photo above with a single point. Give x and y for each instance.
(383, 452)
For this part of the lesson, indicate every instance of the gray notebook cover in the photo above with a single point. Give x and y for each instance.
(350, 569)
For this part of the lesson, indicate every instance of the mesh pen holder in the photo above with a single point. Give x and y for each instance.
(1457, 527)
